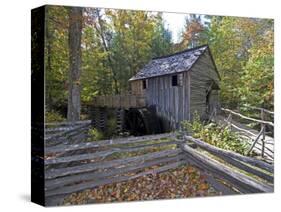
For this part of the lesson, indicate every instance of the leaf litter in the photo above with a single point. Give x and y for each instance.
(182, 182)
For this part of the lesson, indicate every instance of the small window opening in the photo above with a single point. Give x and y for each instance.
(175, 80)
(144, 85)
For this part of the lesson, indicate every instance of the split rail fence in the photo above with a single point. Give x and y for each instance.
(73, 163)
(258, 141)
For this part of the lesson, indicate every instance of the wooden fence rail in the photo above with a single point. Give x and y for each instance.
(75, 131)
(74, 164)
(261, 135)
(215, 150)
(236, 179)
(247, 118)
(260, 109)
(243, 182)
(67, 123)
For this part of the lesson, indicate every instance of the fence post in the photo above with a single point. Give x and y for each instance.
(263, 133)
(229, 120)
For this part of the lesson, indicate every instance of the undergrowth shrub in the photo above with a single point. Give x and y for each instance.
(95, 134)
(216, 135)
(53, 116)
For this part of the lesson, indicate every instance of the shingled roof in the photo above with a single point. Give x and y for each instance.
(175, 63)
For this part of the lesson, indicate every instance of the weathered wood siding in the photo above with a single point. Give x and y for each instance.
(202, 73)
(214, 100)
(119, 101)
(136, 87)
(171, 102)
(177, 103)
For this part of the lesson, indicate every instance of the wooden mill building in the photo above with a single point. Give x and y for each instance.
(177, 85)
(169, 88)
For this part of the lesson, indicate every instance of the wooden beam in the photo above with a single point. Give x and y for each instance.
(238, 128)
(67, 123)
(259, 108)
(256, 140)
(248, 118)
(53, 173)
(106, 153)
(213, 149)
(110, 142)
(70, 132)
(96, 175)
(210, 178)
(245, 183)
(89, 185)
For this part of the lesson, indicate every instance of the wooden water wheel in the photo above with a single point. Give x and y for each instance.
(142, 121)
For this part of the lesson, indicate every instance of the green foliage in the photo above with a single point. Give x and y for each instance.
(243, 52)
(258, 90)
(111, 126)
(53, 116)
(108, 132)
(216, 135)
(195, 125)
(56, 55)
(115, 45)
(161, 40)
(95, 135)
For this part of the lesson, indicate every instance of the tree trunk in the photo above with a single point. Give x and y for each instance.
(75, 31)
(106, 49)
(49, 39)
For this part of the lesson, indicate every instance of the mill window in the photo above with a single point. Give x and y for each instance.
(175, 80)
(144, 84)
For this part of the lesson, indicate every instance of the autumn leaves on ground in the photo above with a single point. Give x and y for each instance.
(186, 181)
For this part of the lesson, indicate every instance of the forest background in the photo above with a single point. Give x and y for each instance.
(115, 44)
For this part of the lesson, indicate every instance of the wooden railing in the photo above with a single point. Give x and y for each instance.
(260, 109)
(96, 163)
(74, 163)
(236, 170)
(56, 133)
(119, 101)
(263, 123)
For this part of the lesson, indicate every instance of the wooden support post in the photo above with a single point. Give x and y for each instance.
(256, 140)
(103, 118)
(215, 113)
(119, 119)
(94, 117)
(229, 120)
(263, 132)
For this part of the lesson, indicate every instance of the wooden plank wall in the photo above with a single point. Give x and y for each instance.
(201, 74)
(214, 100)
(136, 87)
(119, 101)
(171, 102)
(178, 103)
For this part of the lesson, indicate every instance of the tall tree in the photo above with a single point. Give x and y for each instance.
(259, 90)
(75, 33)
(194, 31)
(243, 51)
(162, 38)
(56, 56)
